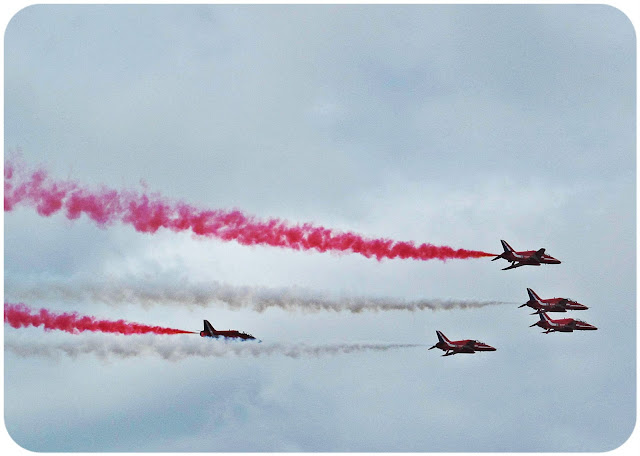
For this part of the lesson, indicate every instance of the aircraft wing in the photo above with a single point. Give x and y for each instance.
(527, 263)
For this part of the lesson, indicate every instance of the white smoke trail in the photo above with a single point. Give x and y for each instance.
(175, 348)
(149, 291)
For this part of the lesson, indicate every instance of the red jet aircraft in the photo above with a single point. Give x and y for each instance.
(209, 331)
(528, 257)
(460, 346)
(563, 325)
(551, 305)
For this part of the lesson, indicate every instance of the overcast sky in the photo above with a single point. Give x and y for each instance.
(452, 125)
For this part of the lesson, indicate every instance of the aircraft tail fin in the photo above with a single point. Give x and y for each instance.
(506, 246)
(507, 249)
(442, 338)
(543, 319)
(208, 328)
(533, 296)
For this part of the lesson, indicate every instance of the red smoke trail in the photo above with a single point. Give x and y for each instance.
(19, 316)
(148, 214)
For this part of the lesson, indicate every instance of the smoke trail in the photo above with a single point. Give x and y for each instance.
(147, 292)
(147, 214)
(179, 347)
(20, 316)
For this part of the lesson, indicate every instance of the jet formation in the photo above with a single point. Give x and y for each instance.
(541, 306)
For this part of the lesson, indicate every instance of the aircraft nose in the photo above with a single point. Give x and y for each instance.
(588, 326)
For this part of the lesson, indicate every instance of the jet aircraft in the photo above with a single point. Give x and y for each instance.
(527, 257)
(210, 331)
(563, 325)
(460, 346)
(551, 305)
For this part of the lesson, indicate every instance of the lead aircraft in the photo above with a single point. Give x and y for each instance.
(551, 305)
(562, 325)
(524, 258)
(210, 331)
(460, 346)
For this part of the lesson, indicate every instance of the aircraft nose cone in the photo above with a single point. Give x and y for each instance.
(588, 326)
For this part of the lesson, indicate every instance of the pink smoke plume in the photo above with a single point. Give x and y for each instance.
(147, 214)
(20, 316)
